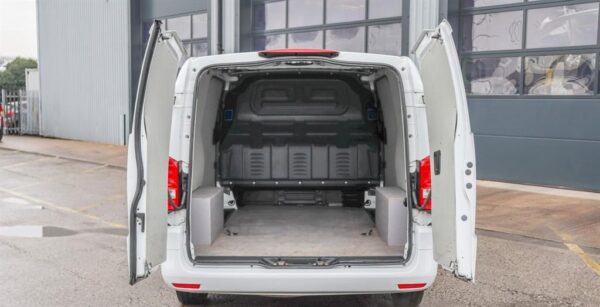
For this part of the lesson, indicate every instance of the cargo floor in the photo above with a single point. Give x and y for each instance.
(299, 231)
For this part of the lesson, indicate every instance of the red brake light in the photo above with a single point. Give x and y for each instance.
(425, 184)
(173, 185)
(272, 53)
(186, 286)
(411, 286)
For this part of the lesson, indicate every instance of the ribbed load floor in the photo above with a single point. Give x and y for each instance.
(279, 231)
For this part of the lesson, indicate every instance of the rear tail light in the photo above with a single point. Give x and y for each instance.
(412, 286)
(186, 286)
(173, 185)
(424, 187)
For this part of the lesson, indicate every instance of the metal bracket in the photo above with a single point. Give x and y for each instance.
(370, 199)
(229, 202)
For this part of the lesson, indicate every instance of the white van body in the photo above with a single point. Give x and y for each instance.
(431, 112)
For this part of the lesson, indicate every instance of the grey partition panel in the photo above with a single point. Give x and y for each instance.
(391, 215)
(206, 215)
(300, 161)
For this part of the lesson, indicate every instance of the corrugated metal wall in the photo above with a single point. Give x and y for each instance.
(84, 69)
(424, 15)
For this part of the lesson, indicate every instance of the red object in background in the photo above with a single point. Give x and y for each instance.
(425, 184)
(173, 185)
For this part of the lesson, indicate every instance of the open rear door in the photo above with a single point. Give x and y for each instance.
(148, 153)
(452, 152)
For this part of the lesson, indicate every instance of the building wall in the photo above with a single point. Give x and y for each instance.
(90, 55)
(377, 26)
(84, 69)
(424, 14)
(553, 142)
(142, 13)
(532, 78)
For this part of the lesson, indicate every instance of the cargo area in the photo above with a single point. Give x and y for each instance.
(296, 231)
(294, 164)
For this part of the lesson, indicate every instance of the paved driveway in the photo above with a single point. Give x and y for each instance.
(69, 244)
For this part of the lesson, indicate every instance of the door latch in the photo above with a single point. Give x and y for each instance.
(142, 217)
(437, 160)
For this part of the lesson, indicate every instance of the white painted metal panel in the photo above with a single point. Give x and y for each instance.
(452, 153)
(84, 69)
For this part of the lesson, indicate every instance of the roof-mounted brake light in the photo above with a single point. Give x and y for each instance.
(273, 53)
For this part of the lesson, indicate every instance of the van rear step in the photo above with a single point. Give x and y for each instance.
(295, 261)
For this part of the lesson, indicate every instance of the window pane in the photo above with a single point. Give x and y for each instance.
(305, 13)
(480, 3)
(385, 8)
(348, 39)
(569, 74)
(269, 42)
(269, 15)
(492, 76)
(306, 40)
(495, 31)
(200, 25)
(345, 10)
(200, 49)
(385, 39)
(561, 26)
(181, 25)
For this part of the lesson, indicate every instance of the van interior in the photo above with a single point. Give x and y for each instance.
(297, 160)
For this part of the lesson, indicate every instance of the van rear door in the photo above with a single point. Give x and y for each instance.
(452, 152)
(148, 153)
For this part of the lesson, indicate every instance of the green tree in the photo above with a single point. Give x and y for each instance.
(13, 78)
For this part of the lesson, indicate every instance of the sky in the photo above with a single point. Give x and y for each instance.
(18, 29)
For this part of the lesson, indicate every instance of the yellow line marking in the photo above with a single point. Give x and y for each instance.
(110, 199)
(89, 207)
(575, 249)
(30, 184)
(27, 162)
(62, 208)
(93, 169)
(589, 261)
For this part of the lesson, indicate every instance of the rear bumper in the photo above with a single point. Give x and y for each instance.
(245, 279)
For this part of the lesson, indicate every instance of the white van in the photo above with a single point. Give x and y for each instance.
(301, 171)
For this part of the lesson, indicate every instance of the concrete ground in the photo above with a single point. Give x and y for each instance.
(537, 246)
